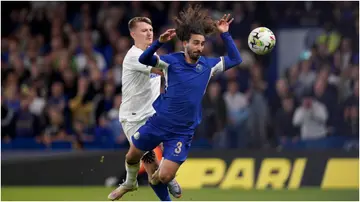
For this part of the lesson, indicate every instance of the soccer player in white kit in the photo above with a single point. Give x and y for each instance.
(140, 88)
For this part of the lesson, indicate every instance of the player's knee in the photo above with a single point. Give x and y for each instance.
(134, 155)
(166, 177)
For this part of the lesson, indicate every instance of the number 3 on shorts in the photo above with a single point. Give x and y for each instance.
(178, 147)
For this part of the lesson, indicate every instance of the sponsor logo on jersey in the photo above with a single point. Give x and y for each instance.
(153, 75)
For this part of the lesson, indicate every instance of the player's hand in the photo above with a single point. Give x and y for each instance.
(167, 36)
(223, 24)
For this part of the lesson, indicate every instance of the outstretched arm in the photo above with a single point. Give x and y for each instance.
(233, 58)
(148, 57)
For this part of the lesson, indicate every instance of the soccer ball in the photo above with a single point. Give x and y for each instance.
(261, 40)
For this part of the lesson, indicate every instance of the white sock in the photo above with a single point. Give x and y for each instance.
(131, 172)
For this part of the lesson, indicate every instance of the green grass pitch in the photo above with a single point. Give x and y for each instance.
(89, 193)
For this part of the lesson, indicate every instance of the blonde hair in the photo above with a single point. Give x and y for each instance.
(133, 21)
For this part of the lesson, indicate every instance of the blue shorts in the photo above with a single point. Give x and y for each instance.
(176, 146)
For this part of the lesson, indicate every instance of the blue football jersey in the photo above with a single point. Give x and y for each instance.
(178, 110)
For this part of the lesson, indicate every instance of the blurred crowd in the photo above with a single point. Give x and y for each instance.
(61, 67)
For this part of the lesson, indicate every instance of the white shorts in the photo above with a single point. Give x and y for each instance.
(130, 128)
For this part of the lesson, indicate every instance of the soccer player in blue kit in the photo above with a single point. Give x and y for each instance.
(178, 109)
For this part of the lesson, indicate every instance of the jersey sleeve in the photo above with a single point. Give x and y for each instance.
(233, 58)
(133, 63)
(217, 65)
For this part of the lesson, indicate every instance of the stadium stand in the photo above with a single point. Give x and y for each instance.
(61, 67)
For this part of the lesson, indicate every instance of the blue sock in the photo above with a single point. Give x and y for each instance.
(161, 191)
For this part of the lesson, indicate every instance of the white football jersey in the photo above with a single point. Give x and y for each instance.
(140, 88)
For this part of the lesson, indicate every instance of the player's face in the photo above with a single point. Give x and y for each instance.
(195, 46)
(143, 33)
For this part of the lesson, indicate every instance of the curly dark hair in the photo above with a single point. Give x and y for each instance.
(193, 20)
